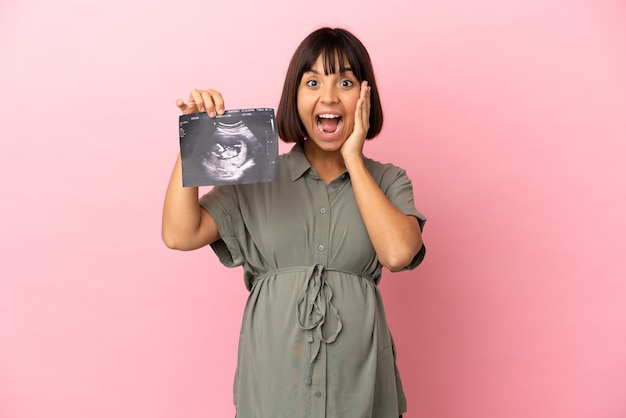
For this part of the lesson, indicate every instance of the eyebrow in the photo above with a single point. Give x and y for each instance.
(345, 70)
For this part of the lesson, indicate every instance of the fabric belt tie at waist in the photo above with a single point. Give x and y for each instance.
(314, 301)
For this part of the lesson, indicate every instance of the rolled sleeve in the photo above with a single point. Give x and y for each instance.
(222, 204)
(398, 188)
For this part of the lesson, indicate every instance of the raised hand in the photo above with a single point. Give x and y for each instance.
(353, 147)
(209, 101)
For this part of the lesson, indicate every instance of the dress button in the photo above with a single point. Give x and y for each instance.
(318, 394)
(323, 211)
(320, 247)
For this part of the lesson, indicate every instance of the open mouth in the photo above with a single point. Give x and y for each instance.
(328, 123)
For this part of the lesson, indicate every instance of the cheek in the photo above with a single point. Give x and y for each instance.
(350, 103)
(304, 111)
(349, 116)
(302, 115)
(302, 102)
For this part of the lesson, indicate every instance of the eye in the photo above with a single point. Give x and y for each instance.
(346, 83)
(311, 83)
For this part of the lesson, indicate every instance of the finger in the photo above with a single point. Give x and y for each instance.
(210, 98)
(195, 98)
(207, 103)
(367, 103)
(186, 108)
(181, 105)
(213, 102)
(216, 99)
(360, 128)
(364, 90)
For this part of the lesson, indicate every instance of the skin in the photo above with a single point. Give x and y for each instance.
(338, 94)
(395, 236)
(185, 224)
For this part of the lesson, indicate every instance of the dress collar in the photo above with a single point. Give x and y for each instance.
(297, 163)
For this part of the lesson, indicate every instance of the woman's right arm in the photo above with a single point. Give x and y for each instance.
(186, 225)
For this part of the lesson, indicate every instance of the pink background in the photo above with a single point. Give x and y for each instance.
(510, 116)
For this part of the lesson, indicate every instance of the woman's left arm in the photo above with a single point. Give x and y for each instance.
(396, 237)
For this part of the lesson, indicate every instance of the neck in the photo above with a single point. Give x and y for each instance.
(328, 164)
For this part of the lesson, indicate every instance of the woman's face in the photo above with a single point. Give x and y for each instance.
(326, 105)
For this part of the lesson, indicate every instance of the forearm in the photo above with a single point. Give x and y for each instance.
(395, 236)
(185, 224)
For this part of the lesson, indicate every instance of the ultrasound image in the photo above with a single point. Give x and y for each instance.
(238, 147)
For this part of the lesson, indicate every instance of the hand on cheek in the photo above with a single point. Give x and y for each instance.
(354, 144)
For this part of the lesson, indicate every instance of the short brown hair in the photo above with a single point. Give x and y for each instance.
(329, 43)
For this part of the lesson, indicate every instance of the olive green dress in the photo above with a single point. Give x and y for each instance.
(314, 340)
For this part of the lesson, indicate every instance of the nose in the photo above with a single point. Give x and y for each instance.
(328, 94)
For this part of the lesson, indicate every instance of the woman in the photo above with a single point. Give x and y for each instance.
(314, 340)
